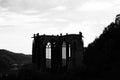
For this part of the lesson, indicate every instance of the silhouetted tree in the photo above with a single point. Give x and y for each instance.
(102, 56)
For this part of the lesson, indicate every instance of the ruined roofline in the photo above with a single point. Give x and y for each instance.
(37, 35)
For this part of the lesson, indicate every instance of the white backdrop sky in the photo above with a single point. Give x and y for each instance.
(20, 19)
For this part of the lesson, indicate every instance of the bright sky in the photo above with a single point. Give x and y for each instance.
(20, 19)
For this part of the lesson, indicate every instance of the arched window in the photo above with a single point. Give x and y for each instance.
(64, 53)
(69, 50)
(64, 50)
(48, 55)
(48, 50)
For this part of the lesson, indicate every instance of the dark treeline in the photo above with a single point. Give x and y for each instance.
(102, 56)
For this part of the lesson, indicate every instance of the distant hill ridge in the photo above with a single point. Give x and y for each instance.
(7, 58)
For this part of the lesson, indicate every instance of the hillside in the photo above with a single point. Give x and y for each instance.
(7, 58)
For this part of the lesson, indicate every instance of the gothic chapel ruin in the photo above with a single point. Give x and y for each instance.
(57, 48)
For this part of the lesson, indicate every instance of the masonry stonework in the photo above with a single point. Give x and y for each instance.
(73, 49)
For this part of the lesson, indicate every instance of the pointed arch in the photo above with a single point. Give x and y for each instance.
(48, 55)
(63, 53)
(64, 50)
(69, 50)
